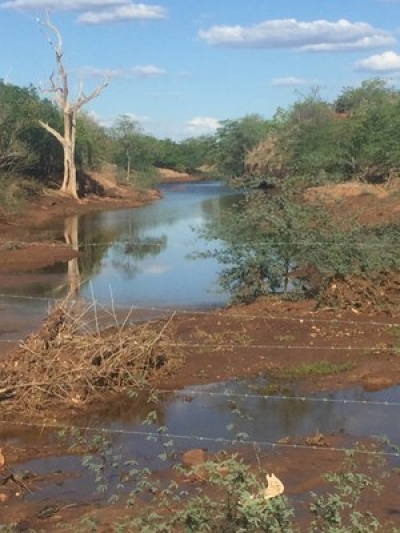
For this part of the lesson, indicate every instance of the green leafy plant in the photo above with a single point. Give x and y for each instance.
(319, 368)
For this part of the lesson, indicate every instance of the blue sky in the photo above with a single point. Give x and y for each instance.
(180, 66)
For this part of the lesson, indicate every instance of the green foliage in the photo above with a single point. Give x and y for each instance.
(336, 512)
(93, 146)
(196, 152)
(315, 145)
(187, 156)
(355, 136)
(234, 502)
(371, 93)
(271, 242)
(23, 148)
(233, 140)
(14, 193)
(225, 494)
(146, 178)
(264, 239)
(320, 368)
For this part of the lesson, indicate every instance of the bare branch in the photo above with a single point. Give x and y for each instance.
(83, 99)
(58, 92)
(58, 48)
(53, 132)
(61, 91)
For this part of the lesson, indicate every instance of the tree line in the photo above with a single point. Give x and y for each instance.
(27, 151)
(357, 135)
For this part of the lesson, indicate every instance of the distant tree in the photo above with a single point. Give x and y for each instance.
(17, 107)
(196, 152)
(234, 139)
(93, 144)
(370, 134)
(170, 155)
(370, 93)
(133, 150)
(59, 88)
(312, 136)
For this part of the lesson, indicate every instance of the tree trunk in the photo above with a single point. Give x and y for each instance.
(69, 184)
(128, 169)
(59, 88)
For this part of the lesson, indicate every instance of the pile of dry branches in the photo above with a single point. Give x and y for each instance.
(72, 360)
(377, 293)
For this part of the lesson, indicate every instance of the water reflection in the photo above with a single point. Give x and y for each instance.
(71, 238)
(222, 410)
(148, 262)
(138, 256)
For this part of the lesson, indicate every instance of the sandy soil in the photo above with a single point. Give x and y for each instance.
(268, 337)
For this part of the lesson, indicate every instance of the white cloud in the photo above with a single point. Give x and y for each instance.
(366, 43)
(318, 35)
(93, 11)
(94, 72)
(202, 125)
(289, 81)
(146, 71)
(123, 13)
(61, 5)
(386, 62)
(108, 122)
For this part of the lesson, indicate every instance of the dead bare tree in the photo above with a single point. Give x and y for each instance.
(60, 90)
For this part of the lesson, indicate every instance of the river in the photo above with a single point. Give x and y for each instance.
(144, 258)
(140, 257)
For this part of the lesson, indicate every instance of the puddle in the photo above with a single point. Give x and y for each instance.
(214, 417)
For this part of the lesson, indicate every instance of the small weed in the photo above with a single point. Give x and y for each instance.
(368, 351)
(274, 388)
(285, 338)
(395, 331)
(225, 340)
(321, 368)
(9, 247)
(240, 338)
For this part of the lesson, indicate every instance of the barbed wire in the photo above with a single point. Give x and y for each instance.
(151, 435)
(230, 345)
(153, 242)
(251, 396)
(219, 311)
(187, 392)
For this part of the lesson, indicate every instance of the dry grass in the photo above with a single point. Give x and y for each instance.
(335, 192)
(76, 358)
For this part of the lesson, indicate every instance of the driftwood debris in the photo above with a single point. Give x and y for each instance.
(72, 361)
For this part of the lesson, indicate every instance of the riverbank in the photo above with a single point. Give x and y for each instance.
(23, 233)
(285, 345)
